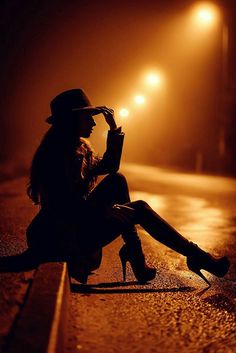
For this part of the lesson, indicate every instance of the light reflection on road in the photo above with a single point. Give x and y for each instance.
(201, 207)
(199, 183)
(194, 217)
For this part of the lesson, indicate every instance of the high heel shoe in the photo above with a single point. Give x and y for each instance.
(78, 268)
(198, 260)
(134, 255)
(81, 265)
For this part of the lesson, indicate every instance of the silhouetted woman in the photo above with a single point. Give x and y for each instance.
(79, 216)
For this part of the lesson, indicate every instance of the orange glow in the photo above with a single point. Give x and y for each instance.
(205, 14)
(139, 99)
(168, 60)
(124, 113)
(154, 79)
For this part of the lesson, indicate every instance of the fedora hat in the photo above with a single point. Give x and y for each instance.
(70, 101)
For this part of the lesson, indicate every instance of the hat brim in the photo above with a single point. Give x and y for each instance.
(90, 110)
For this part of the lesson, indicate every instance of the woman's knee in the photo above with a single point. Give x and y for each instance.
(141, 208)
(139, 205)
(117, 176)
(116, 179)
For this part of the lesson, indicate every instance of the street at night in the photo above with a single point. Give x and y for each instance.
(91, 91)
(177, 312)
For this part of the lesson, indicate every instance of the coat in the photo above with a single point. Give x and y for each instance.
(66, 181)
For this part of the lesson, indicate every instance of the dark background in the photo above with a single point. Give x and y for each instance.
(104, 47)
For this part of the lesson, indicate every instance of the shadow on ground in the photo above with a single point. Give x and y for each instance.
(111, 288)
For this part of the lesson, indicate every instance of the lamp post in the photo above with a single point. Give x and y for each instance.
(224, 69)
(207, 14)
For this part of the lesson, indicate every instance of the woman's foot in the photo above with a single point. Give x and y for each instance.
(133, 254)
(80, 266)
(198, 260)
(78, 269)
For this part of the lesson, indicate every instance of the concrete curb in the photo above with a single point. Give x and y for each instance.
(41, 326)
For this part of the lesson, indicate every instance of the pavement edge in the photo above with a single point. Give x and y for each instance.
(41, 326)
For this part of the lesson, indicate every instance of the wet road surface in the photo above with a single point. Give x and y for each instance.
(176, 312)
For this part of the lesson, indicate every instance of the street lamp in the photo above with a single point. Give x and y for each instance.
(139, 99)
(205, 14)
(153, 79)
(124, 113)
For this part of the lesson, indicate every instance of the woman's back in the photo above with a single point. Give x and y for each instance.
(60, 173)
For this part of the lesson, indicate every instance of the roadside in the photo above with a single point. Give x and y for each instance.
(33, 303)
(16, 211)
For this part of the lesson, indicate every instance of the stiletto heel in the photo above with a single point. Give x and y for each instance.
(123, 264)
(198, 260)
(134, 255)
(198, 272)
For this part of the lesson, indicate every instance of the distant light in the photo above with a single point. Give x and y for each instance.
(124, 113)
(139, 99)
(153, 79)
(206, 13)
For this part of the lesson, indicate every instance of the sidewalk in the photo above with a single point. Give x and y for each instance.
(34, 314)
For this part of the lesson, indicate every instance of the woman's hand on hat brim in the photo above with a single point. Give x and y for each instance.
(109, 116)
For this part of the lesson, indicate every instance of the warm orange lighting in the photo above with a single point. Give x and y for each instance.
(153, 79)
(124, 113)
(139, 99)
(206, 14)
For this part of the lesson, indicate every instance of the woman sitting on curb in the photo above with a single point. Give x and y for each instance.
(79, 216)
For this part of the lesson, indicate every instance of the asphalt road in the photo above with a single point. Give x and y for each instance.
(176, 312)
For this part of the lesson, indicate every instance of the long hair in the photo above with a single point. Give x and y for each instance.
(89, 161)
(34, 189)
(52, 140)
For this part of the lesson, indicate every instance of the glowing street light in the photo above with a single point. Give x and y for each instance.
(206, 14)
(139, 99)
(124, 113)
(153, 79)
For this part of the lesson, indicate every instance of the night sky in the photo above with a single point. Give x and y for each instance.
(105, 47)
